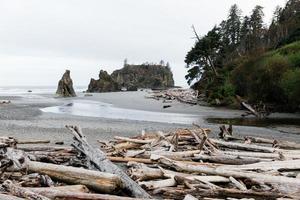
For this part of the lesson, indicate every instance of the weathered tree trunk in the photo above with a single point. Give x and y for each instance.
(128, 159)
(189, 197)
(22, 192)
(228, 159)
(245, 147)
(47, 148)
(283, 184)
(9, 197)
(98, 181)
(151, 185)
(267, 166)
(99, 160)
(84, 196)
(68, 188)
(142, 172)
(223, 193)
(32, 141)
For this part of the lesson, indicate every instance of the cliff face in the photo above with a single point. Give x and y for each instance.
(65, 86)
(132, 77)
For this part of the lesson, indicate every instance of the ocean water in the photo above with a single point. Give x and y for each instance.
(24, 90)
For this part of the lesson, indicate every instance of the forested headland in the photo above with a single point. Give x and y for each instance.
(243, 56)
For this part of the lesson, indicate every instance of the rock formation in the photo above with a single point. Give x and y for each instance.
(104, 84)
(65, 86)
(132, 77)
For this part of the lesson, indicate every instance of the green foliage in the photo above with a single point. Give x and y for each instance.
(225, 92)
(290, 83)
(260, 79)
(203, 55)
(243, 56)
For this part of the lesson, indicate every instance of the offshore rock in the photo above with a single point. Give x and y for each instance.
(104, 84)
(132, 77)
(65, 86)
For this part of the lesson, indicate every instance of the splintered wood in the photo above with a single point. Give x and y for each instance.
(181, 164)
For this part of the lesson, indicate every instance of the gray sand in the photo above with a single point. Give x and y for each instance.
(23, 118)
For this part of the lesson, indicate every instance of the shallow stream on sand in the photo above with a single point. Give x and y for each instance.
(105, 110)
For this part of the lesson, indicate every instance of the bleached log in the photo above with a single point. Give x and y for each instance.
(237, 184)
(251, 109)
(246, 147)
(142, 172)
(85, 196)
(267, 166)
(68, 188)
(98, 159)
(7, 141)
(12, 160)
(138, 141)
(126, 145)
(151, 185)
(277, 143)
(286, 155)
(173, 155)
(189, 197)
(229, 159)
(9, 197)
(283, 184)
(251, 154)
(286, 144)
(134, 153)
(33, 141)
(46, 148)
(22, 192)
(128, 159)
(222, 193)
(99, 181)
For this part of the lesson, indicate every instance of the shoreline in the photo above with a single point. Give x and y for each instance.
(24, 119)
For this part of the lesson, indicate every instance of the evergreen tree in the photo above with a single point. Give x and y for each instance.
(245, 36)
(203, 56)
(233, 25)
(257, 28)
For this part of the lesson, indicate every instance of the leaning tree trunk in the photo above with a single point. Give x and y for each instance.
(98, 160)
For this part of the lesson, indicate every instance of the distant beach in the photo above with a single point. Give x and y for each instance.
(39, 114)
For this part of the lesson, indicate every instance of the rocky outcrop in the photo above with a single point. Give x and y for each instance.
(65, 86)
(104, 84)
(132, 77)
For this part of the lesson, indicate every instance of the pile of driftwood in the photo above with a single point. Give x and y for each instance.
(182, 164)
(188, 96)
(5, 102)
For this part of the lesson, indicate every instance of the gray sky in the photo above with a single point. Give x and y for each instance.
(39, 39)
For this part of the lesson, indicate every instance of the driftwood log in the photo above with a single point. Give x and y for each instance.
(171, 165)
(9, 197)
(99, 160)
(98, 181)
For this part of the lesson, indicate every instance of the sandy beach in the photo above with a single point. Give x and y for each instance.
(24, 119)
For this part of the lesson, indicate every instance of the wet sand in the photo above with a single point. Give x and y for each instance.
(24, 118)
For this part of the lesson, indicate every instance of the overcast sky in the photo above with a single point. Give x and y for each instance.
(39, 39)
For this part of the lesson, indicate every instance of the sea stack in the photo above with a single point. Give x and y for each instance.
(65, 86)
(104, 84)
(131, 77)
